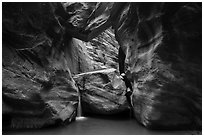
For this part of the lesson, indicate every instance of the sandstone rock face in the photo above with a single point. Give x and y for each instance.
(162, 43)
(102, 92)
(38, 61)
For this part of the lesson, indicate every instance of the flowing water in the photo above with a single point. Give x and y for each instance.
(79, 109)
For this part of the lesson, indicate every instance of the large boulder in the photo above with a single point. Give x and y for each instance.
(102, 92)
(34, 104)
(163, 47)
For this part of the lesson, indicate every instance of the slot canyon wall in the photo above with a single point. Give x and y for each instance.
(163, 55)
(46, 47)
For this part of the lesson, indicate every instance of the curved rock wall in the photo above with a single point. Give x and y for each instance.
(162, 43)
(38, 61)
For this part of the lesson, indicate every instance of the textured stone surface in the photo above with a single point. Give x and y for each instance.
(84, 20)
(103, 50)
(37, 86)
(34, 97)
(102, 92)
(162, 43)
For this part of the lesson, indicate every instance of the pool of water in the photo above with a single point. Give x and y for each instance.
(97, 126)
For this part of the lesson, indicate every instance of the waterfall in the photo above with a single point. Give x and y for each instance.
(79, 110)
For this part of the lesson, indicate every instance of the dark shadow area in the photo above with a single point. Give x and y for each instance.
(119, 116)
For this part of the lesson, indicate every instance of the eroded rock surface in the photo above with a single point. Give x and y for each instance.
(37, 85)
(102, 92)
(103, 50)
(33, 96)
(162, 43)
(87, 20)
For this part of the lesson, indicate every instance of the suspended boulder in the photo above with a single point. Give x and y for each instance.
(102, 92)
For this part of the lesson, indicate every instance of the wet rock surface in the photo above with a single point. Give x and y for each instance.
(102, 92)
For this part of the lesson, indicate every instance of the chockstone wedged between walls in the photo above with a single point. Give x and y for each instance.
(156, 47)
